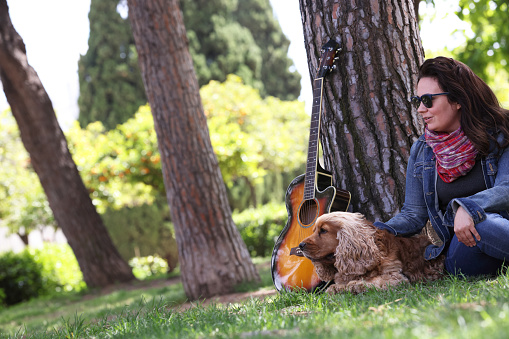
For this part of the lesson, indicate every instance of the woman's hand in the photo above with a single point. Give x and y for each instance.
(464, 228)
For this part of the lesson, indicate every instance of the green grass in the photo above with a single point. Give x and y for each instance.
(450, 308)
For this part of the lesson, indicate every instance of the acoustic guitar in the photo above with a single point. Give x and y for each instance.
(308, 196)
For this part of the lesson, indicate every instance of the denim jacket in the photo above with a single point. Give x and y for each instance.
(421, 200)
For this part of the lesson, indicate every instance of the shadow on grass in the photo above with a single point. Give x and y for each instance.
(56, 311)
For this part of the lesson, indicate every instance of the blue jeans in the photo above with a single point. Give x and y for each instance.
(488, 256)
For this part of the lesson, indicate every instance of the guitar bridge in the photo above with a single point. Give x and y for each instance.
(296, 251)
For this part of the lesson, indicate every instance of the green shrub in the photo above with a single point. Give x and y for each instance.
(20, 277)
(2, 297)
(60, 269)
(142, 231)
(260, 227)
(271, 187)
(144, 267)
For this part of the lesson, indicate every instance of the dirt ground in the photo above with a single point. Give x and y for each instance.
(228, 299)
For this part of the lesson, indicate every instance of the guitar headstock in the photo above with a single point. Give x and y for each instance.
(329, 51)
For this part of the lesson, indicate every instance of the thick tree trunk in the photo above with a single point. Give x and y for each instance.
(72, 207)
(213, 258)
(368, 124)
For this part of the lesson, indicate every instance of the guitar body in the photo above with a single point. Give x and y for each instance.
(289, 268)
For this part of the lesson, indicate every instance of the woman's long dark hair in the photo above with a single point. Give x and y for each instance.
(482, 117)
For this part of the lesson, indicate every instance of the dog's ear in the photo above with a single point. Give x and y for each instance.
(325, 272)
(357, 252)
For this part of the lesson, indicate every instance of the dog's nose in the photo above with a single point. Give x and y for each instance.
(302, 245)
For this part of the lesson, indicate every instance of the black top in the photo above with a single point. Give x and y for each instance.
(464, 186)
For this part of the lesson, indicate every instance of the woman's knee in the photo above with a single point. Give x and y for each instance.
(470, 261)
(494, 232)
(493, 226)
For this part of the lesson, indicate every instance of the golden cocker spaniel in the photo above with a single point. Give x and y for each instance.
(349, 250)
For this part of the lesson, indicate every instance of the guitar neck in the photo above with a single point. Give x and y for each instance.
(314, 139)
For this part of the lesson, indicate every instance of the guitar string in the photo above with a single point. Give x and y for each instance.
(305, 215)
(308, 214)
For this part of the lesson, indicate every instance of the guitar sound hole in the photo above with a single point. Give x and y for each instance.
(308, 212)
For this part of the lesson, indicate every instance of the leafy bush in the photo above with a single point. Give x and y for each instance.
(2, 297)
(272, 187)
(144, 267)
(141, 231)
(120, 167)
(23, 204)
(20, 277)
(60, 269)
(251, 136)
(260, 227)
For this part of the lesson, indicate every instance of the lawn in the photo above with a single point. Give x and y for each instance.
(450, 308)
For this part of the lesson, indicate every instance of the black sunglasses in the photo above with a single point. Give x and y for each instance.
(426, 99)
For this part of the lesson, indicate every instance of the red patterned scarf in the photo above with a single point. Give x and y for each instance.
(455, 153)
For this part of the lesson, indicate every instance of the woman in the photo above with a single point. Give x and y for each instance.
(458, 171)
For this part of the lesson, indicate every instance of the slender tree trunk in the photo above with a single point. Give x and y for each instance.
(213, 258)
(24, 238)
(252, 191)
(368, 124)
(72, 207)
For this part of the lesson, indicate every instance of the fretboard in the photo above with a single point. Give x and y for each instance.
(314, 133)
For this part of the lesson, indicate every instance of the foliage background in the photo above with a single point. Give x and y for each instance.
(258, 142)
(225, 37)
(23, 204)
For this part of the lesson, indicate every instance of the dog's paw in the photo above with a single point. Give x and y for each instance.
(335, 288)
(357, 286)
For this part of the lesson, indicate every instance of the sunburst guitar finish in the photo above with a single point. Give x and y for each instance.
(290, 269)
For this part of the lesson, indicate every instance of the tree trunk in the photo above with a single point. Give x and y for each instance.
(416, 8)
(72, 207)
(24, 238)
(368, 124)
(213, 258)
(252, 191)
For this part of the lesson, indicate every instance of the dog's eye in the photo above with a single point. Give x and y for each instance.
(322, 231)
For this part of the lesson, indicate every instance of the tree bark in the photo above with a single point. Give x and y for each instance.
(213, 258)
(416, 8)
(368, 124)
(44, 140)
